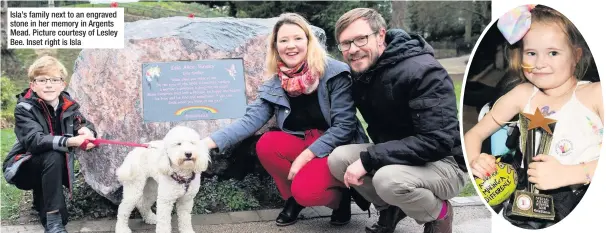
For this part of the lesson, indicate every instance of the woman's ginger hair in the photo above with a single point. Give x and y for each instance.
(316, 55)
(47, 66)
(544, 15)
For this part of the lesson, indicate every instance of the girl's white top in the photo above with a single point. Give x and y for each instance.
(577, 136)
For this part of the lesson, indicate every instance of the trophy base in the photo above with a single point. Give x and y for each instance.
(533, 205)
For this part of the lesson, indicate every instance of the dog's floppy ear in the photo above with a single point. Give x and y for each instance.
(203, 158)
(164, 163)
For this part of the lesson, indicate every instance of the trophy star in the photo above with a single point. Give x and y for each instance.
(537, 120)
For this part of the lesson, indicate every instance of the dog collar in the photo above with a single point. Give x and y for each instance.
(183, 180)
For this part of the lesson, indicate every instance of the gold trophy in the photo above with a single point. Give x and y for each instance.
(529, 202)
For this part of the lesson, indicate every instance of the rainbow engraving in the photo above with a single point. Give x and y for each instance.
(191, 108)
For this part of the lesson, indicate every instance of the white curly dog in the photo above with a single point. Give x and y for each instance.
(166, 172)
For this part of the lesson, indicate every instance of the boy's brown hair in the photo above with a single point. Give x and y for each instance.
(47, 66)
(544, 14)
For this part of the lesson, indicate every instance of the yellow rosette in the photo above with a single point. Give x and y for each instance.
(499, 186)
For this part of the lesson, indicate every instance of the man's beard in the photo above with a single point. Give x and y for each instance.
(356, 74)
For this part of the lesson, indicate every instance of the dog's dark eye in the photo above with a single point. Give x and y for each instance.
(178, 143)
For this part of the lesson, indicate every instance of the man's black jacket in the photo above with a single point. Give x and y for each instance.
(408, 100)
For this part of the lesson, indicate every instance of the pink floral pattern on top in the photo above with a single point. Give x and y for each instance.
(596, 130)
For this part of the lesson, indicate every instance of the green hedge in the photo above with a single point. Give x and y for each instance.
(8, 92)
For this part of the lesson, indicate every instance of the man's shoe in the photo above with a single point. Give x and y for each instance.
(342, 215)
(388, 220)
(290, 213)
(54, 223)
(443, 225)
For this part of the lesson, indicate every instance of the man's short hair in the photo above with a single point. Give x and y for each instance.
(372, 16)
(46, 65)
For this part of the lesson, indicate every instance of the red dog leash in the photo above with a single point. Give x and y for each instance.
(105, 141)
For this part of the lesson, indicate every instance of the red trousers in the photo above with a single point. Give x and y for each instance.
(313, 185)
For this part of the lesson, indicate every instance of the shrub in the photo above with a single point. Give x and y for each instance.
(8, 101)
(232, 195)
(86, 203)
(215, 196)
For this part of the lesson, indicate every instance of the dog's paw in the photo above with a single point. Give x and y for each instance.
(163, 229)
(150, 219)
(187, 231)
(123, 229)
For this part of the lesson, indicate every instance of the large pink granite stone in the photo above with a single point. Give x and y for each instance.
(107, 84)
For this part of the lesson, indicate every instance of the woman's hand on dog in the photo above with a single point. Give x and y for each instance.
(300, 162)
(209, 143)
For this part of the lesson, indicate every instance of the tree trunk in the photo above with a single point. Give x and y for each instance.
(232, 9)
(11, 66)
(468, 22)
(486, 12)
(399, 15)
(4, 25)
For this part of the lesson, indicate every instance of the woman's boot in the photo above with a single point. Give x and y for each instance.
(342, 215)
(290, 213)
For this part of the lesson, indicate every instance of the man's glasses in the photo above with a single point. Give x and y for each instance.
(359, 41)
(43, 81)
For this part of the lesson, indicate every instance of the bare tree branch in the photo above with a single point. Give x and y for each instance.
(468, 10)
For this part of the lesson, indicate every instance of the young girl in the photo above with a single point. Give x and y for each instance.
(550, 57)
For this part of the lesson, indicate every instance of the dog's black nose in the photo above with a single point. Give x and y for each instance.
(187, 154)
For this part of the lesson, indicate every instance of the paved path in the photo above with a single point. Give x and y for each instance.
(470, 216)
(455, 65)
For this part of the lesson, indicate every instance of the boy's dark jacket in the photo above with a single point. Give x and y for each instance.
(408, 100)
(34, 132)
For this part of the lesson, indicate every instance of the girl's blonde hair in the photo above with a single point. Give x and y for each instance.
(316, 55)
(47, 65)
(545, 14)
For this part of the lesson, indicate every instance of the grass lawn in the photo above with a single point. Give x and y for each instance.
(10, 196)
(458, 85)
(468, 190)
(161, 9)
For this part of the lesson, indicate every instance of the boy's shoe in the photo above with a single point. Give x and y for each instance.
(54, 223)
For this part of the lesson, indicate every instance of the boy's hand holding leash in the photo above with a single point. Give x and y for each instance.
(82, 141)
(86, 140)
(86, 144)
(87, 131)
